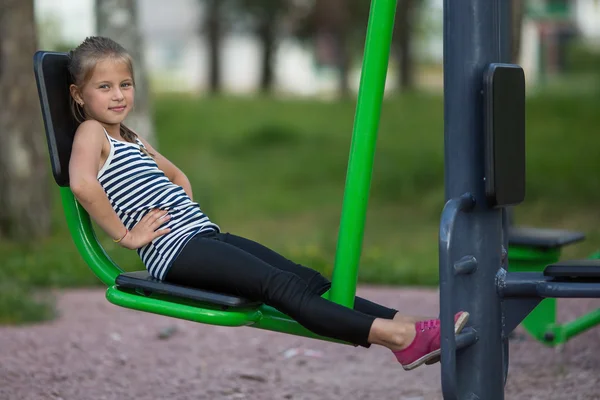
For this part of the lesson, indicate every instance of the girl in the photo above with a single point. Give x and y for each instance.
(145, 203)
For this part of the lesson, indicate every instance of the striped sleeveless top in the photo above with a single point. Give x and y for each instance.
(135, 185)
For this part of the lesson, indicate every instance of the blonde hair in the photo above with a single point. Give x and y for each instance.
(83, 60)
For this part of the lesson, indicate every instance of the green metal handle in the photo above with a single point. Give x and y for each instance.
(82, 232)
(362, 151)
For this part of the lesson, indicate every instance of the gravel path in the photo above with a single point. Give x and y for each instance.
(99, 351)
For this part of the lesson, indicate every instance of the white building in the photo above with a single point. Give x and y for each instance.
(544, 25)
(587, 17)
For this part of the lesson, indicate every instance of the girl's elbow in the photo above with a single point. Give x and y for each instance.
(79, 186)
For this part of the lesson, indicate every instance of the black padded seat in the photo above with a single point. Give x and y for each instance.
(579, 270)
(542, 238)
(53, 80)
(142, 280)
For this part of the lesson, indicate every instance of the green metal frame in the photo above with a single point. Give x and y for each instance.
(368, 110)
(541, 322)
(362, 150)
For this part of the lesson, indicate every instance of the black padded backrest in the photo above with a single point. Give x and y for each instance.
(52, 77)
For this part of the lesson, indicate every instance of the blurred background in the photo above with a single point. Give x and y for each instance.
(254, 100)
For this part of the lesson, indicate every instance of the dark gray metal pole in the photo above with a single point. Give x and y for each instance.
(505, 37)
(472, 30)
(505, 31)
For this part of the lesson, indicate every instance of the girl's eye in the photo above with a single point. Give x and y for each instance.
(126, 84)
(103, 86)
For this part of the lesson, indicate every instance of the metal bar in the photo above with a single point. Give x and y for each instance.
(274, 320)
(505, 31)
(567, 290)
(262, 317)
(535, 284)
(466, 338)
(472, 33)
(82, 232)
(538, 320)
(519, 284)
(450, 215)
(362, 151)
(182, 309)
(466, 265)
(579, 325)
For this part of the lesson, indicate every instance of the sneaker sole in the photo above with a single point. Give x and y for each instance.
(434, 356)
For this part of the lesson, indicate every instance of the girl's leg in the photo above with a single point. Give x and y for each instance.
(315, 281)
(214, 265)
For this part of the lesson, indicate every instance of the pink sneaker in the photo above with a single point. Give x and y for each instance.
(425, 349)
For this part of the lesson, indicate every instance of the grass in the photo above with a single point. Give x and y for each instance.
(274, 170)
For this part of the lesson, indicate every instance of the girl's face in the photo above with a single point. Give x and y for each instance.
(109, 94)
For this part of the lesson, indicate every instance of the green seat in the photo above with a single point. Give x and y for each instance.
(135, 290)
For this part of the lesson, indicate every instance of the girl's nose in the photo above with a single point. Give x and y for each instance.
(118, 95)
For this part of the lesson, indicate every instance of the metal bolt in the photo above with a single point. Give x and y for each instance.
(549, 337)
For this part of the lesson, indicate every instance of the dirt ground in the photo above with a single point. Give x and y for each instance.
(98, 351)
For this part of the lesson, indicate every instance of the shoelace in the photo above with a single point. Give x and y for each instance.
(428, 324)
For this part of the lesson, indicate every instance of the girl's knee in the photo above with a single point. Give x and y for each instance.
(319, 284)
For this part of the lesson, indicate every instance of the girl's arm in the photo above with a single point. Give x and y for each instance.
(173, 173)
(83, 170)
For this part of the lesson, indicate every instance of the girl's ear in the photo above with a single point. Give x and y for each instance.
(75, 94)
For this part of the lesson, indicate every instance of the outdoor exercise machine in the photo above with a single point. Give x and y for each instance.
(532, 249)
(484, 138)
(138, 290)
(484, 143)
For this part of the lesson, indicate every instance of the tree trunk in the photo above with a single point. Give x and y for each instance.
(332, 21)
(343, 61)
(403, 31)
(266, 34)
(117, 19)
(341, 27)
(213, 35)
(517, 11)
(24, 186)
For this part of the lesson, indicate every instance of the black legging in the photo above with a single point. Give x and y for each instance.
(231, 264)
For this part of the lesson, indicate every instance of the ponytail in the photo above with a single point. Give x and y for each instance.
(130, 136)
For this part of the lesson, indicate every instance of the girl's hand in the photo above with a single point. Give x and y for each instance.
(146, 231)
